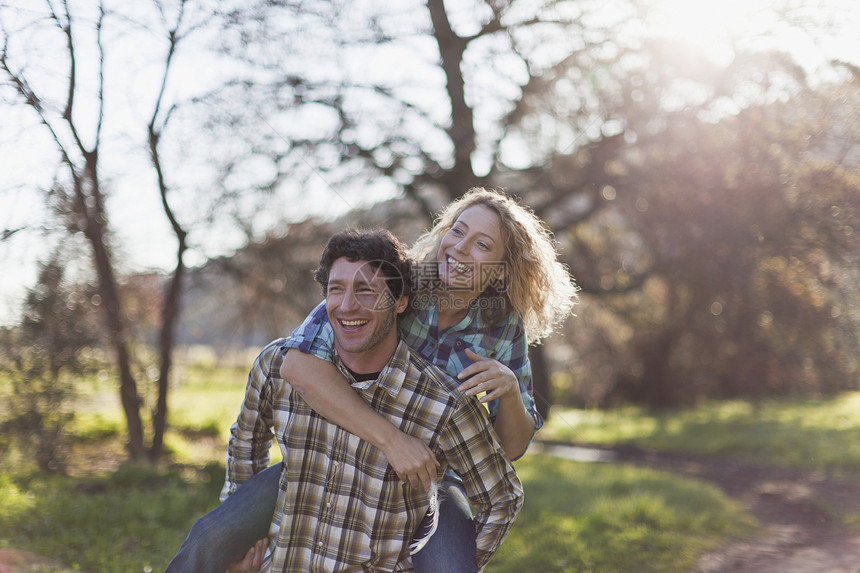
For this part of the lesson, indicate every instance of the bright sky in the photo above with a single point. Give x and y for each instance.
(709, 24)
(139, 222)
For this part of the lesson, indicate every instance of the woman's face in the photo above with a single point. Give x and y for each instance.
(472, 251)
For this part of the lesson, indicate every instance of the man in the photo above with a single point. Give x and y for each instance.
(341, 506)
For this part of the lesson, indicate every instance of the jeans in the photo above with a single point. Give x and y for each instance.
(452, 549)
(225, 534)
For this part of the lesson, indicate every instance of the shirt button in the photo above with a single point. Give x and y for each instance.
(320, 544)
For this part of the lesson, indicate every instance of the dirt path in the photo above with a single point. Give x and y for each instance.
(796, 509)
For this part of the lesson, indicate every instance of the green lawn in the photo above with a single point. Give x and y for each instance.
(578, 517)
(813, 434)
(598, 517)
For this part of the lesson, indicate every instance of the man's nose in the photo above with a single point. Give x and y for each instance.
(349, 302)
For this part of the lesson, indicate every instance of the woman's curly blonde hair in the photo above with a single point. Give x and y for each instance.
(537, 287)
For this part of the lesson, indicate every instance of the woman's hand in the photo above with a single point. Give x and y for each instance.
(487, 375)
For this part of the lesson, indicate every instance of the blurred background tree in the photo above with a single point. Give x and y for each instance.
(43, 360)
(703, 192)
(56, 63)
(671, 177)
(748, 225)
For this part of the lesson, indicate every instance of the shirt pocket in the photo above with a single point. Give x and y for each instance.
(458, 360)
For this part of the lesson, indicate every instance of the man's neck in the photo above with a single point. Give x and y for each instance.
(371, 360)
(362, 377)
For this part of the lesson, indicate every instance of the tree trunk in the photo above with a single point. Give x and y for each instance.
(173, 292)
(540, 381)
(659, 388)
(95, 232)
(169, 318)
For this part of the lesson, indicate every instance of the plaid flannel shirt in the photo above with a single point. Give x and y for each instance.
(341, 506)
(419, 327)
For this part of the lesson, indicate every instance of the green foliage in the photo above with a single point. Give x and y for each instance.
(595, 517)
(41, 359)
(578, 517)
(95, 428)
(14, 499)
(733, 248)
(816, 434)
(132, 520)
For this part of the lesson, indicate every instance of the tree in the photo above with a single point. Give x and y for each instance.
(343, 103)
(563, 103)
(343, 123)
(41, 359)
(747, 227)
(74, 110)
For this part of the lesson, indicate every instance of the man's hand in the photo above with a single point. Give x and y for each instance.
(253, 559)
(412, 460)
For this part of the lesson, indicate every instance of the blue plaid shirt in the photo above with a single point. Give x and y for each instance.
(505, 342)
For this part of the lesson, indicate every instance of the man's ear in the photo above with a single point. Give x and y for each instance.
(401, 304)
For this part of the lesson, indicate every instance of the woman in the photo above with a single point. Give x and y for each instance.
(490, 285)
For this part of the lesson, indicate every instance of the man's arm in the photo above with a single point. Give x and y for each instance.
(313, 375)
(328, 393)
(251, 434)
(474, 452)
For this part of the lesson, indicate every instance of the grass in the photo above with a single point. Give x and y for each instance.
(578, 517)
(811, 434)
(595, 517)
(108, 517)
(128, 520)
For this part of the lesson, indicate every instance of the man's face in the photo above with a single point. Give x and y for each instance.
(361, 310)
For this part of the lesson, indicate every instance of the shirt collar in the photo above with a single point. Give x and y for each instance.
(390, 378)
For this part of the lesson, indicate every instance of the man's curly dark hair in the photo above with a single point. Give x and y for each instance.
(378, 247)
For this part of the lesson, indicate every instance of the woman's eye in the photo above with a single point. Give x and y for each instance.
(483, 245)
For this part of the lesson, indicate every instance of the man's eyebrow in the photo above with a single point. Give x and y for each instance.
(356, 282)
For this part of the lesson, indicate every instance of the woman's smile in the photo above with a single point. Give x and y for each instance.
(474, 240)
